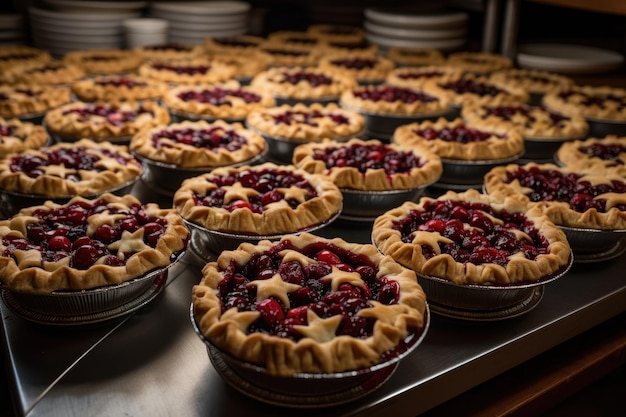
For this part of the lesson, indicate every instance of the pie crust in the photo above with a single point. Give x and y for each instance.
(404, 56)
(198, 144)
(104, 61)
(289, 55)
(187, 71)
(104, 120)
(316, 340)
(534, 81)
(366, 69)
(82, 168)
(17, 136)
(458, 140)
(369, 165)
(577, 193)
(169, 51)
(42, 73)
(349, 48)
(227, 100)
(130, 254)
(11, 56)
(245, 66)
(233, 45)
(591, 102)
(336, 32)
(390, 100)
(300, 122)
(305, 200)
(479, 62)
(412, 235)
(118, 87)
(595, 154)
(295, 38)
(27, 100)
(418, 76)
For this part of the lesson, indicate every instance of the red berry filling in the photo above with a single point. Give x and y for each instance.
(350, 45)
(408, 75)
(355, 63)
(110, 112)
(7, 130)
(308, 77)
(554, 185)
(483, 241)
(391, 94)
(302, 117)
(464, 86)
(9, 57)
(182, 69)
(607, 152)
(45, 68)
(212, 138)
(600, 100)
(238, 289)
(461, 134)
(234, 42)
(285, 52)
(509, 112)
(219, 96)
(120, 82)
(170, 47)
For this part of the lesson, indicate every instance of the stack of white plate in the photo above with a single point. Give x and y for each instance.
(443, 30)
(71, 25)
(193, 21)
(12, 30)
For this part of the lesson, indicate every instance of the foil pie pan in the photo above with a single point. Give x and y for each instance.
(599, 128)
(178, 116)
(367, 205)
(469, 173)
(35, 118)
(306, 101)
(542, 149)
(594, 245)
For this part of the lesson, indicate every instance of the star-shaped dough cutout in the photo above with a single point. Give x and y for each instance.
(338, 277)
(238, 192)
(129, 242)
(319, 329)
(431, 239)
(294, 193)
(382, 312)
(99, 219)
(274, 287)
(60, 171)
(612, 199)
(243, 319)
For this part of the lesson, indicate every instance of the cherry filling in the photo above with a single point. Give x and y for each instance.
(302, 40)
(120, 82)
(553, 185)
(3, 97)
(310, 118)
(598, 100)
(285, 52)
(508, 112)
(9, 57)
(101, 58)
(460, 134)
(219, 96)
(26, 92)
(418, 75)
(62, 232)
(170, 47)
(475, 237)
(44, 68)
(391, 94)
(270, 186)
(308, 77)
(182, 69)
(463, 86)
(212, 138)
(234, 42)
(350, 45)
(7, 130)
(355, 63)
(238, 289)
(607, 152)
(371, 156)
(110, 112)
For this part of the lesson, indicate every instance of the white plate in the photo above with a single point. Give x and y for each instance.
(403, 33)
(80, 6)
(72, 18)
(198, 19)
(80, 26)
(441, 44)
(402, 18)
(565, 58)
(202, 7)
(77, 30)
(61, 39)
(198, 38)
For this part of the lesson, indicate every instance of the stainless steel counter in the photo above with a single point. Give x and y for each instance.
(151, 363)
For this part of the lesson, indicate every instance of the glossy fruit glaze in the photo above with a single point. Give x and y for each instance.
(607, 152)
(391, 94)
(111, 112)
(218, 96)
(210, 138)
(460, 134)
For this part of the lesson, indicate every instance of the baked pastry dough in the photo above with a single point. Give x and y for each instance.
(260, 200)
(104, 61)
(25, 100)
(367, 306)
(479, 62)
(404, 56)
(418, 76)
(592, 102)
(288, 54)
(11, 56)
(473, 238)
(233, 45)
(107, 241)
(17, 136)
(366, 69)
(42, 73)
(390, 100)
(534, 81)
(187, 71)
(118, 87)
(336, 32)
(595, 154)
(169, 51)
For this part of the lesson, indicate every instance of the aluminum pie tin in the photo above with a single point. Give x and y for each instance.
(599, 128)
(543, 149)
(469, 173)
(306, 101)
(35, 118)
(367, 205)
(308, 390)
(116, 140)
(594, 245)
(178, 116)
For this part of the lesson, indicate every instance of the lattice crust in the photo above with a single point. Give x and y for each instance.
(104, 120)
(198, 144)
(118, 87)
(376, 179)
(300, 122)
(320, 350)
(17, 136)
(563, 212)
(169, 51)
(534, 81)
(536, 121)
(368, 99)
(518, 268)
(113, 167)
(28, 272)
(200, 70)
(365, 68)
(479, 62)
(25, 99)
(228, 100)
(41, 73)
(104, 61)
(486, 141)
(404, 56)
(11, 56)
(277, 217)
(595, 154)
(418, 76)
(591, 102)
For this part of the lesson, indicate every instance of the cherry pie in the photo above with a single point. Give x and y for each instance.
(17, 136)
(233, 45)
(572, 198)
(244, 66)
(534, 81)
(295, 38)
(366, 69)
(198, 144)
(289, 55)
(118, 87)
(104, 61)
(24, 100)
(104, 120)
(473, 238)
(187, 71)
(404, 56)
(263, 200)
(10, 56)
(86, 244)
(307, 304)
(479, 62)
(42, 73)
(591, 102)
(169, 51)
(418, 76)
(593, 154)
(63, 170)
(349, 48)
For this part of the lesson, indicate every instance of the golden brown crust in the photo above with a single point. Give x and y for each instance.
(562, 213)
(11, 56)
(336, 33)
(320, 351)
(519, 269)
(173, 152)
(347, 49)
(403, 56)
(25, 100)
(17, 136)
(277, 218)
(288, 55)
(187, 71)
(42, 73)
(32, 275)
(576, 156)
(169, 51)
(372, 179)
(235, 45)
(418, 76)
(245, 66)
(118, 87)
(500, 140)
(365, 68)
(479, 62)
(312, 122)
(534, 81)
(104, 61)
(110, 172)
(70, 124)
(591, 102)
(294, 37)
(359, 99)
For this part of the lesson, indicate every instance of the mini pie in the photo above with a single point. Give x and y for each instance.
(369, 165)
(42, 73)
(591, 102)
(187, 71)
(457, 140)
(118, 87)
(169, 51)
(300, 122)
(17, 136)
(336, 32)
(104, 120)
(366, 69)
(295, 38)
(87, 244)
(233, 45)
(198, 144)
(244, 66)
(415, 76)
(307, 304)
(534, 81)
(11, 56)
(104, 61)
(572, 198)
(479, 62)
(473, 238)
(303, 83)
(404, 56)
(227, 100)
(258, 200)
(348, 48)
(288, 54)
(82, 168)
(595, 154)
(26, 100)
